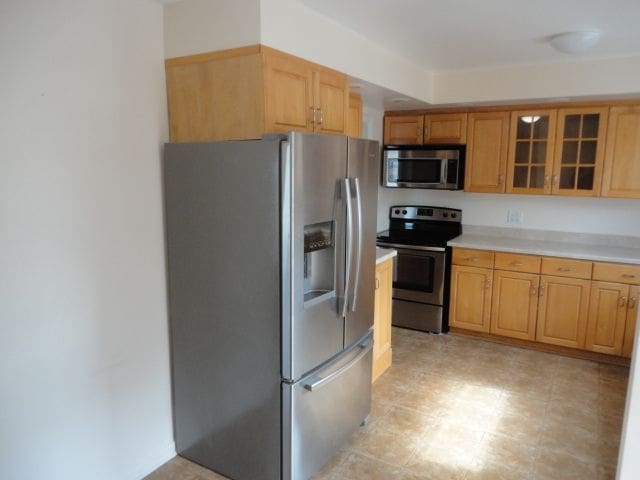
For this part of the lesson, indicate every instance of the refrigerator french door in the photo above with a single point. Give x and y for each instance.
(271, 258)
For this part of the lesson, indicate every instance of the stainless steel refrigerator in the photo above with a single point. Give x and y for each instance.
(271, 265)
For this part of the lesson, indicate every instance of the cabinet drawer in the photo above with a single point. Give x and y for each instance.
(517, 263)
(564, 267)
(617, 272)
(473, 258)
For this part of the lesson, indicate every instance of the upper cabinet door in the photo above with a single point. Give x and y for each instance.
(288, 89)
(531, 151)
(354, 116)
(622, 157)
(403, 130)
(579, 151)
(487, 147)
(445, 128)
(331, 92)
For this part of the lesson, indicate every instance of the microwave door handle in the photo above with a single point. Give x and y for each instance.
(349, 246)
(356, 286)
(443, 171)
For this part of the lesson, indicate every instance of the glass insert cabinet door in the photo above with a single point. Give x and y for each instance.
(530, 163)
(579, 151)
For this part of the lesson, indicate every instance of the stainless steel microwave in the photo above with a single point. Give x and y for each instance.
(423, 167)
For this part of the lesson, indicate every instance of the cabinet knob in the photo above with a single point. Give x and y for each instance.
(500, 179)
(633, 301)
(517, 264)
(556, 179)
(534, 291)
(622, 302)
(541, 291)
(487, 284)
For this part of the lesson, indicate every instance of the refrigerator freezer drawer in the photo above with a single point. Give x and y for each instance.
(323, 410)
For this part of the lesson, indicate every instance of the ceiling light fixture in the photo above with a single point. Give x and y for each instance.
(575, 42)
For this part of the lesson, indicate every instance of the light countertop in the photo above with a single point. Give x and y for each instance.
(552, 244)
(384, 254)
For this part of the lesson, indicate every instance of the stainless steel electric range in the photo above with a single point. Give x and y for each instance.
(422, 269)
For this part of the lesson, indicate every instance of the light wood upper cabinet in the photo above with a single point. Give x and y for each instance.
(403, 129)
(622, 155)
(579, 151)
(445, 128)
(354, 116)
(382, 319)
(470, 306)
(607, 317)
(331, 101)
(514, 306)
(531, 145)
(563, 310)
(487, 148)
(246, 92)
(289, 94)
(630, 325)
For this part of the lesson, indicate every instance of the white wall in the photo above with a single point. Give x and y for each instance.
(197, 26)
(85, 364)
(617, 76)
(629, 464)
(568, 214)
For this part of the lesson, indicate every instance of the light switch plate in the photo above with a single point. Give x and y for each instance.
(515, 217)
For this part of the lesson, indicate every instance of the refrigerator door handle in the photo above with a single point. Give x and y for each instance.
(356, 287)
(364, 349)
(347, 280)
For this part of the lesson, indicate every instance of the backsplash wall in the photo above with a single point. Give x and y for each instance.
(568, 214)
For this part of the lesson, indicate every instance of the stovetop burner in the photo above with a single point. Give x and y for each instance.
(422, 226)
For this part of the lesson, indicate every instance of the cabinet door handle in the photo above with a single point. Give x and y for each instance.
(471, 259)
(312, 112)
(632, 303)
(628, 275)
(487, 284)
(622, 302)
(556, 179)
(541, 291)
(564, 269)
(500, 179)
(516, 264)
(321, 116)
(377, 283)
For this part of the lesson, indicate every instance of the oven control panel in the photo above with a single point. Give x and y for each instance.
(415, 212)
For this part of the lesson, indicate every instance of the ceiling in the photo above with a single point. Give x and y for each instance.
(472, 34)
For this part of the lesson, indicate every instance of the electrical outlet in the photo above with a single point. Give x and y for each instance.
(515, 217)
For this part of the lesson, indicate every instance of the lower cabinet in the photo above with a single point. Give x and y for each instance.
(632, 316)
(607, 317)
(514, 305)
(470, 298)
(566, 302)
(563, 311)
(382, 319)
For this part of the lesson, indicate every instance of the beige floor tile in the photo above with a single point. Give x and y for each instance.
(436, 463)
(358, 467)
(555, 465)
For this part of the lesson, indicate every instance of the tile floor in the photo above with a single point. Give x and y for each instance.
(454, 408)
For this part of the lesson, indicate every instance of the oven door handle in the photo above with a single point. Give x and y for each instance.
(356, 285)
(411, 247)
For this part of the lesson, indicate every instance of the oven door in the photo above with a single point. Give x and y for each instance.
(418, 274)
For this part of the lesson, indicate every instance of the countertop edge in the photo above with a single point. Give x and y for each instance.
(571, 251)
(384, 254)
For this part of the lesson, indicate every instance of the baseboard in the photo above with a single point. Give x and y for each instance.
(153, 460)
